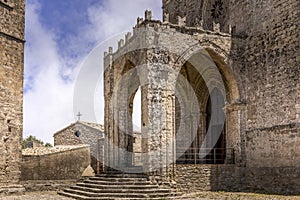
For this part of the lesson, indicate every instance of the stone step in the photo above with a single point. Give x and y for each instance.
(118, 185)
(104, 182)
(122, 175)
(115, 195)
(75, 196)
(80, 197)
(118, 179)
(134, 169)
(103, 186)
(121, 190)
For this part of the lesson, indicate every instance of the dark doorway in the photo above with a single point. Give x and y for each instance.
(216, 124)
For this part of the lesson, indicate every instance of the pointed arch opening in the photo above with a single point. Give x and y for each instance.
(201, 133)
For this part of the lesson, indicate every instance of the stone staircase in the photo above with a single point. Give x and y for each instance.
(118, 185)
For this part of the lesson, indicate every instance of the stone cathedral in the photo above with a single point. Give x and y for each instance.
(220, 96)
(220, 92)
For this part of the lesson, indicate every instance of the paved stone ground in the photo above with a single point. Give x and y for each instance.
(197, 196)
(36, 196)
(237, 196)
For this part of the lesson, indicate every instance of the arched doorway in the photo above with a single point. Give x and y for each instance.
(204, 125)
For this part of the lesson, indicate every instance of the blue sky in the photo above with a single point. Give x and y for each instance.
(62, 36)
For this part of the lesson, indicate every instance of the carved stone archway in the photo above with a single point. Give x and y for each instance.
(156, 64)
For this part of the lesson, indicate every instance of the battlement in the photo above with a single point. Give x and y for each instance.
(148, 23)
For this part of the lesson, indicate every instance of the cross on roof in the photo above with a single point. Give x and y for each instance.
(79, 115)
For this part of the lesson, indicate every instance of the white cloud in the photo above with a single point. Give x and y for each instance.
(47, 105)
(116, 16)
(48, 101)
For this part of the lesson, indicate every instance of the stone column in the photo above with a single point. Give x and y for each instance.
(159, 109)
(202, 134)
(234, 125)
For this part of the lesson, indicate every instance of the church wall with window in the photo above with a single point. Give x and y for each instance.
(84, 133)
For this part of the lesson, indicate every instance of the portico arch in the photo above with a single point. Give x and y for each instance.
(164, 112)
(227, 148)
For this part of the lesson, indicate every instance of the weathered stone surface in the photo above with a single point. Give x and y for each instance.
(190, 196)
(46, 185)
(80, 132)
(57, 163)
(36, 196)
(88, 172)
(39, 151)
(11, 90)
(89, 133)
(255, 48)
(32, 144)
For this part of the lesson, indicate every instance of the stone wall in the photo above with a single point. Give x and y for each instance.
(277, 180)
(32, 144)
(11, 91)
(67, 164)
(269, 59)
(264, 48)
(67, 136)
(192, 178)
(273, 147)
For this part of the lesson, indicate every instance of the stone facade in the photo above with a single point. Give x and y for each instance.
(11, 92)
(246, 51)
(84, 133)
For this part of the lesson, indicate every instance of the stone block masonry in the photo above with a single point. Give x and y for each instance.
(11, 92)
(84, 133)
(276, 180)
(55, 163)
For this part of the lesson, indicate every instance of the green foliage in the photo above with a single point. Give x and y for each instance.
(48, 144)
(33, 138)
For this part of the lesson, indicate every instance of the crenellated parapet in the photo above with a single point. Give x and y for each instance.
(150, 33)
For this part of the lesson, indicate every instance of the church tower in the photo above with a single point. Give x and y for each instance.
(12, 22)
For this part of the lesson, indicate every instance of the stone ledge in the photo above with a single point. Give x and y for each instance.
(43, 151)
(46, 185)
(11, 189)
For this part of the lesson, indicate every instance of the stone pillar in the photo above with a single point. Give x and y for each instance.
(202, 134)
(234, 136)
(159, 129)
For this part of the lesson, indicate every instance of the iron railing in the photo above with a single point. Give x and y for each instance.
(204, 155)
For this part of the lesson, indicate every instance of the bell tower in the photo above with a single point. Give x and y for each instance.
(12, 22)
